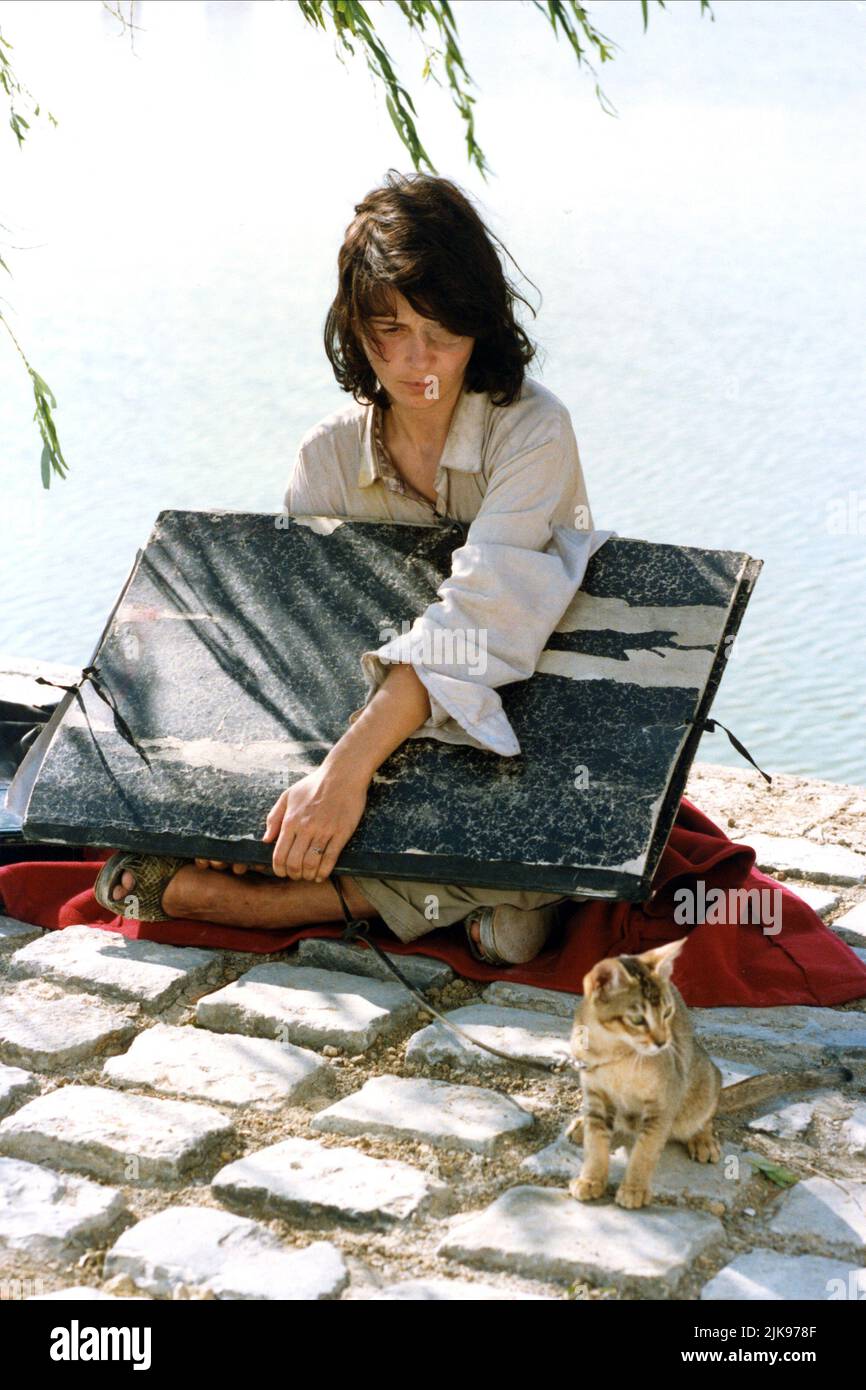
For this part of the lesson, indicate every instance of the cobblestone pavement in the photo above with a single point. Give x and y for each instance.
(184, 1123)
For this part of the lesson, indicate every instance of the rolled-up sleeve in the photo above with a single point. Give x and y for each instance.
(523, 560)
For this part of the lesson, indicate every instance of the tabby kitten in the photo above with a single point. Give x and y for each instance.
(647, 1076)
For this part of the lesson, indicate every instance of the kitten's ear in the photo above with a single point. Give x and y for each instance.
(661, 958)
(604, 978)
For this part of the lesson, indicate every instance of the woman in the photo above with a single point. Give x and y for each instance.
(444, 425)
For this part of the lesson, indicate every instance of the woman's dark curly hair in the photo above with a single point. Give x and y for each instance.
(422, 236)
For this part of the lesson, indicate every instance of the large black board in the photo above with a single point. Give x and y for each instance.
(233, 655)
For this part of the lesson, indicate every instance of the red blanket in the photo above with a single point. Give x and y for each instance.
(728, 962)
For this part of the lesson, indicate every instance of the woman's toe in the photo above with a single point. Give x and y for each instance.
(125, 885)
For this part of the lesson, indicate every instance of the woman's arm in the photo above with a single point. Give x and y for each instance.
(521, 564)
(323, 809)
(400, 706)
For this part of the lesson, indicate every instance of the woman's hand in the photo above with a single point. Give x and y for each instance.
(321, 811)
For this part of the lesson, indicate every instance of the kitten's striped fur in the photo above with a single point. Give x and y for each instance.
(648, 1079)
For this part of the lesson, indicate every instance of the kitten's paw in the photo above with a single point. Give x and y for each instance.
(632, 1194)
(574, 1133)
(704, 1148)
(587, 1189)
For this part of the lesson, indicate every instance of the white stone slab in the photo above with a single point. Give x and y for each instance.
(14, 934)
(543, 1233)
(114, 966)
(314, 1008)
(786, 1121)
(45, 1027)
(221, 1068)
(853, 1131)
(805, 858)
(800, 1033)
(524, 1034)
(202, 1247)
(301, 1177)
(52, 1215)
(854, 920)
(832, 1212)
(328, 953)
(821, 900)
(733, 1071)
(124, 1138)
(508, 994)
(677, 1177)
(436, 1112)
(764, 1274)
(16, 1086)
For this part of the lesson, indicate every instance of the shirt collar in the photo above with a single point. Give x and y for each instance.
(463, 447)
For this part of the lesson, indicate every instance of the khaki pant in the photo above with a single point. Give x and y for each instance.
(415, 909)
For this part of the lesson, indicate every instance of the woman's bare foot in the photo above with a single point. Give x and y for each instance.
(174, 899)
(252, 900)
(519, 934)
(475, 932)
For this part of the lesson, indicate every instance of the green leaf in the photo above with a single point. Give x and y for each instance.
(782, 1177)
(46, 466)
(392, 112)
(42, 387)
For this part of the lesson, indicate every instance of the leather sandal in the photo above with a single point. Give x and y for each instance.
(153, 874)
(510, 935)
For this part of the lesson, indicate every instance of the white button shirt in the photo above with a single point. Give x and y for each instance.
(514, 473)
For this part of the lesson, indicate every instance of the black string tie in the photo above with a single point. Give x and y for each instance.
(710, 728)
(91, 673)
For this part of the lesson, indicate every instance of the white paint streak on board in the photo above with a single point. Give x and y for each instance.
(263, 755)
(666, 666)
(322, 525)
(150, 613)
(690, 625)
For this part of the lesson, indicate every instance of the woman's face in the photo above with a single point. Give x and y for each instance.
(422, 362)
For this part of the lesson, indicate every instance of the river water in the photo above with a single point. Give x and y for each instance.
(700, 259)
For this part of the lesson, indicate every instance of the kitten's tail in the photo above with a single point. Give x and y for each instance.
(757, 1088)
